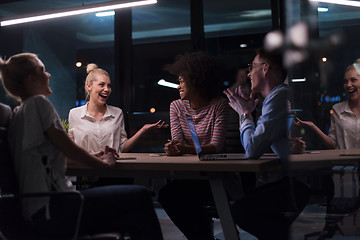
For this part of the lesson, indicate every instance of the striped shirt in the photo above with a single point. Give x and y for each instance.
(210, 122)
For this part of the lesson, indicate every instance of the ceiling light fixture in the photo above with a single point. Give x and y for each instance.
(65, 12)
(105, 14)
(298, 80)
(164, 83)
(322, 9)
(341, 2)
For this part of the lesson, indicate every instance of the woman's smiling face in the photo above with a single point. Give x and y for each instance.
(352, 85)
(100, 89)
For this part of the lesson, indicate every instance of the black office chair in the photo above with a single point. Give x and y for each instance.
(339, 206)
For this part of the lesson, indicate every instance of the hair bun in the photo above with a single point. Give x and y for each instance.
(91, 67)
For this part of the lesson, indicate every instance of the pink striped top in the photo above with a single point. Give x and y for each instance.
(210, 122)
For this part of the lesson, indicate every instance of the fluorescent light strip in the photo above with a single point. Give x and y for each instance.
(341, 2)
(97, 7)
(164, 83)
(298, 80)
(105, 14)
(322, 9)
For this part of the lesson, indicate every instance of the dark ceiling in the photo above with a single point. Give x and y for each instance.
(166, 18)
(172, 17)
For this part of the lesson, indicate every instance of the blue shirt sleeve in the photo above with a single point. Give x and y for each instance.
(271, 129)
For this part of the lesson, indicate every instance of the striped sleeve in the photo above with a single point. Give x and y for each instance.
(219, 115)
(210, 123)
(175, 122)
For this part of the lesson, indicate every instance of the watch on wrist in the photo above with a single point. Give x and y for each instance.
(243, 117)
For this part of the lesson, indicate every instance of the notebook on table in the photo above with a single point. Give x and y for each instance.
(214, 156)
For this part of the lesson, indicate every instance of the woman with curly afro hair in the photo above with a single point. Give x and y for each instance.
(184, 200)
(199, 89)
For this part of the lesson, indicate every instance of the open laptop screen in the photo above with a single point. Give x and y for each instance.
(194, 135)
(289, 123)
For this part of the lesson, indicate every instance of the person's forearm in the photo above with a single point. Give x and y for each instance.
(209, 148)
(71, 150)
(130, 143)
(82, 156)
(189, 149)
(328, 142)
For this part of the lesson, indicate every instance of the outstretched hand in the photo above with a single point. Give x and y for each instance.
(158, 124)
(240, 102)
(300, 123)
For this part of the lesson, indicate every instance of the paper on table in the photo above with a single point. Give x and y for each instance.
(125, 158)
(157, 154)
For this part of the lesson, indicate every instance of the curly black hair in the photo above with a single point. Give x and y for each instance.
(199, 71)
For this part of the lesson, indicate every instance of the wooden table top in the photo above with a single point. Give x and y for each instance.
(188, 163)
(325, 158)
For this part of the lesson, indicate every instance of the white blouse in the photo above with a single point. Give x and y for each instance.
(345, 127)
(94, 135)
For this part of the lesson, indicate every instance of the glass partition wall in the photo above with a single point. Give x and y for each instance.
(317, 81)
(229, 30)
(133, 46)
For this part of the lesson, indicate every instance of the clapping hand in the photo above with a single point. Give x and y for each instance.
(240, 102)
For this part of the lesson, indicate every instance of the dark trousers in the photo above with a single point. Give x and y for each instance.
(268, 211)
(184, 202)
(125, 208)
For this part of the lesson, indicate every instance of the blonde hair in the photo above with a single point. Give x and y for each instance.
(92, 69)
(351, 66)
(14, 71)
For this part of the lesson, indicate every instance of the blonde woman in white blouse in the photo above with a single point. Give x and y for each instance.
(345, 121)
(97, 124)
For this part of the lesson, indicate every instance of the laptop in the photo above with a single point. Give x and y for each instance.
(214, 156)
(290, 120)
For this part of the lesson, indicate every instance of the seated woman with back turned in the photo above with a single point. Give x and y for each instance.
(39, 144)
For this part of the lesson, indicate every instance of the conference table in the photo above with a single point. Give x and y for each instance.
(189, 166)
(186, 166)
(317, 159)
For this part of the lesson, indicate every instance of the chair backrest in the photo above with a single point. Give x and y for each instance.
(10, 216)
(9, 213)
(233, 143)
(8, 182)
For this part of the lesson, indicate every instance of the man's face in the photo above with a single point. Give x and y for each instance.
(257, 74)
